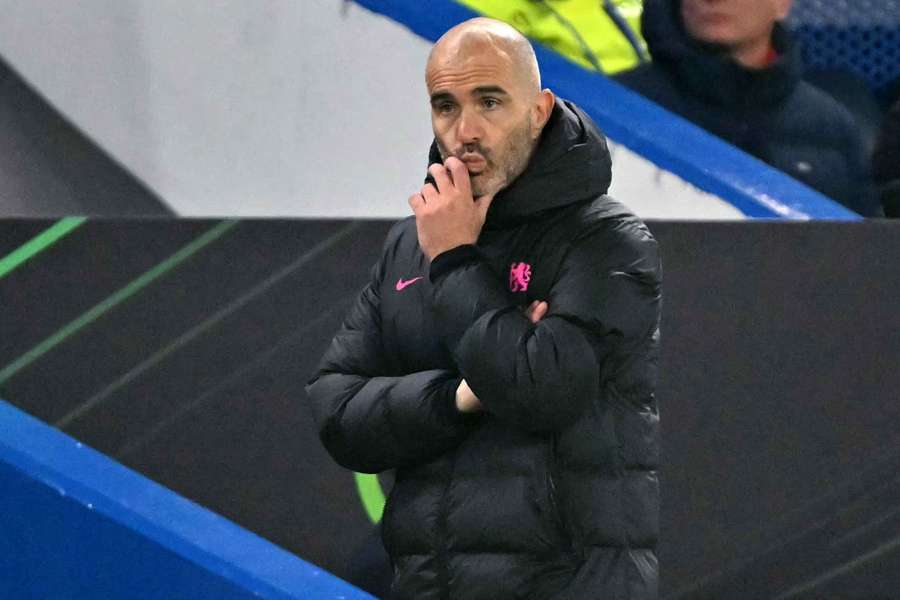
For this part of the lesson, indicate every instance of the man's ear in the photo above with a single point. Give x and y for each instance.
(543, 107)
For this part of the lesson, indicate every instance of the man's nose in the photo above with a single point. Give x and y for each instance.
(469, 127)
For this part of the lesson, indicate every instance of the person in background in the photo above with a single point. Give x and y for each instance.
(731, 67)
(886, 163)
(602, 35)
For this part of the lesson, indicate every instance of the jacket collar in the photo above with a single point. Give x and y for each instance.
(570, 164)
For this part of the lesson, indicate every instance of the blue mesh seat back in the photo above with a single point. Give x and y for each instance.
(861, 36)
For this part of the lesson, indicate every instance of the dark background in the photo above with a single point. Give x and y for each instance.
(778, 388)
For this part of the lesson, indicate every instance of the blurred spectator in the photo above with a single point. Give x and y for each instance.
(597, 34)
(731, 67)
(852, 90)
(886, 163)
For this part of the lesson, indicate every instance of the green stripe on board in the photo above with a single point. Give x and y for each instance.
(38, 244)
(371, 494)
(117, 298)
(201, 328)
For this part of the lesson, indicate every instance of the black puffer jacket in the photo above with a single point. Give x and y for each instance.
(552, 491)
(770, 113)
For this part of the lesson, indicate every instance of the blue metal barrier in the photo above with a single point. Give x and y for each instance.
(76, 524)
(667, 140)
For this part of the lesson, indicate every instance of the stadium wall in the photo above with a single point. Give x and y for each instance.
(181, 349)
(318, 109)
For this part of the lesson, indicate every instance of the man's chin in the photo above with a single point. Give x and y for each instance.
(478, 191)
(482, 186)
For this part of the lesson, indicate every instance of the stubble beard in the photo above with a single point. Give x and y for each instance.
(513, 155)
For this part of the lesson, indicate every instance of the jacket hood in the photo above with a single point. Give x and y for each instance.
(708, 71)
(570, 164)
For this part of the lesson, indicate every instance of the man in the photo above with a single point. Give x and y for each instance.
(503, 357)
(732, 68)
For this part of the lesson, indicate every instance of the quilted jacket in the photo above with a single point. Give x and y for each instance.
(552, 490)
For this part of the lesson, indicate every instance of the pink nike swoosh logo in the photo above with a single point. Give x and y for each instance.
(404, 284)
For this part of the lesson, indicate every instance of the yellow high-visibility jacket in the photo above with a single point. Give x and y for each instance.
(581, 30)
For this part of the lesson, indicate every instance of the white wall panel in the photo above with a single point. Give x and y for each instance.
(263, 107)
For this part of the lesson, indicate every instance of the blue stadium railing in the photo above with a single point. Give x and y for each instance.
(76, 524)
(668, 141)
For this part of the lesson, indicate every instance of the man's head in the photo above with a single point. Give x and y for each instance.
(739, 26)
(487, 106)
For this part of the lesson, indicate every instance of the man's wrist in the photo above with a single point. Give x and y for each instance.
(448, 407)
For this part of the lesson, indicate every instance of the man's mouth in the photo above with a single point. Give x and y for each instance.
(475, 163)
(714, 18)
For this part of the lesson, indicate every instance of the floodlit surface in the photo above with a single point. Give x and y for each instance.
(267, 108)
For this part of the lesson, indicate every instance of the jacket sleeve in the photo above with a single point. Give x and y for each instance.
(542, 376)
(370, 420)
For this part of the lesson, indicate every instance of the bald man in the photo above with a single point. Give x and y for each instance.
(503, 356)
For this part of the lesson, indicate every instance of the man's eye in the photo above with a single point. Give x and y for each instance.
(490, 102)
(445, 108)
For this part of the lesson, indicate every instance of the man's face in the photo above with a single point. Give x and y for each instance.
(481, 114)
(732, 23)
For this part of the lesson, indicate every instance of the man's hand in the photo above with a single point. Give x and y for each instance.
(447, 216)
(536, 310)
(466, 400)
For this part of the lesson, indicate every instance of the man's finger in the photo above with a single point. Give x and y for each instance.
(441, 178)
(536, 310)
(416, 202)
(460, 175)
(540, 311)
(429, 193)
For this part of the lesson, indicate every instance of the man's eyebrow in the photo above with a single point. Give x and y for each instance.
(489, 89)
(440, 96)
(485, 90)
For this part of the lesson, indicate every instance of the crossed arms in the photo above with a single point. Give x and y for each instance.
(539, 376)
